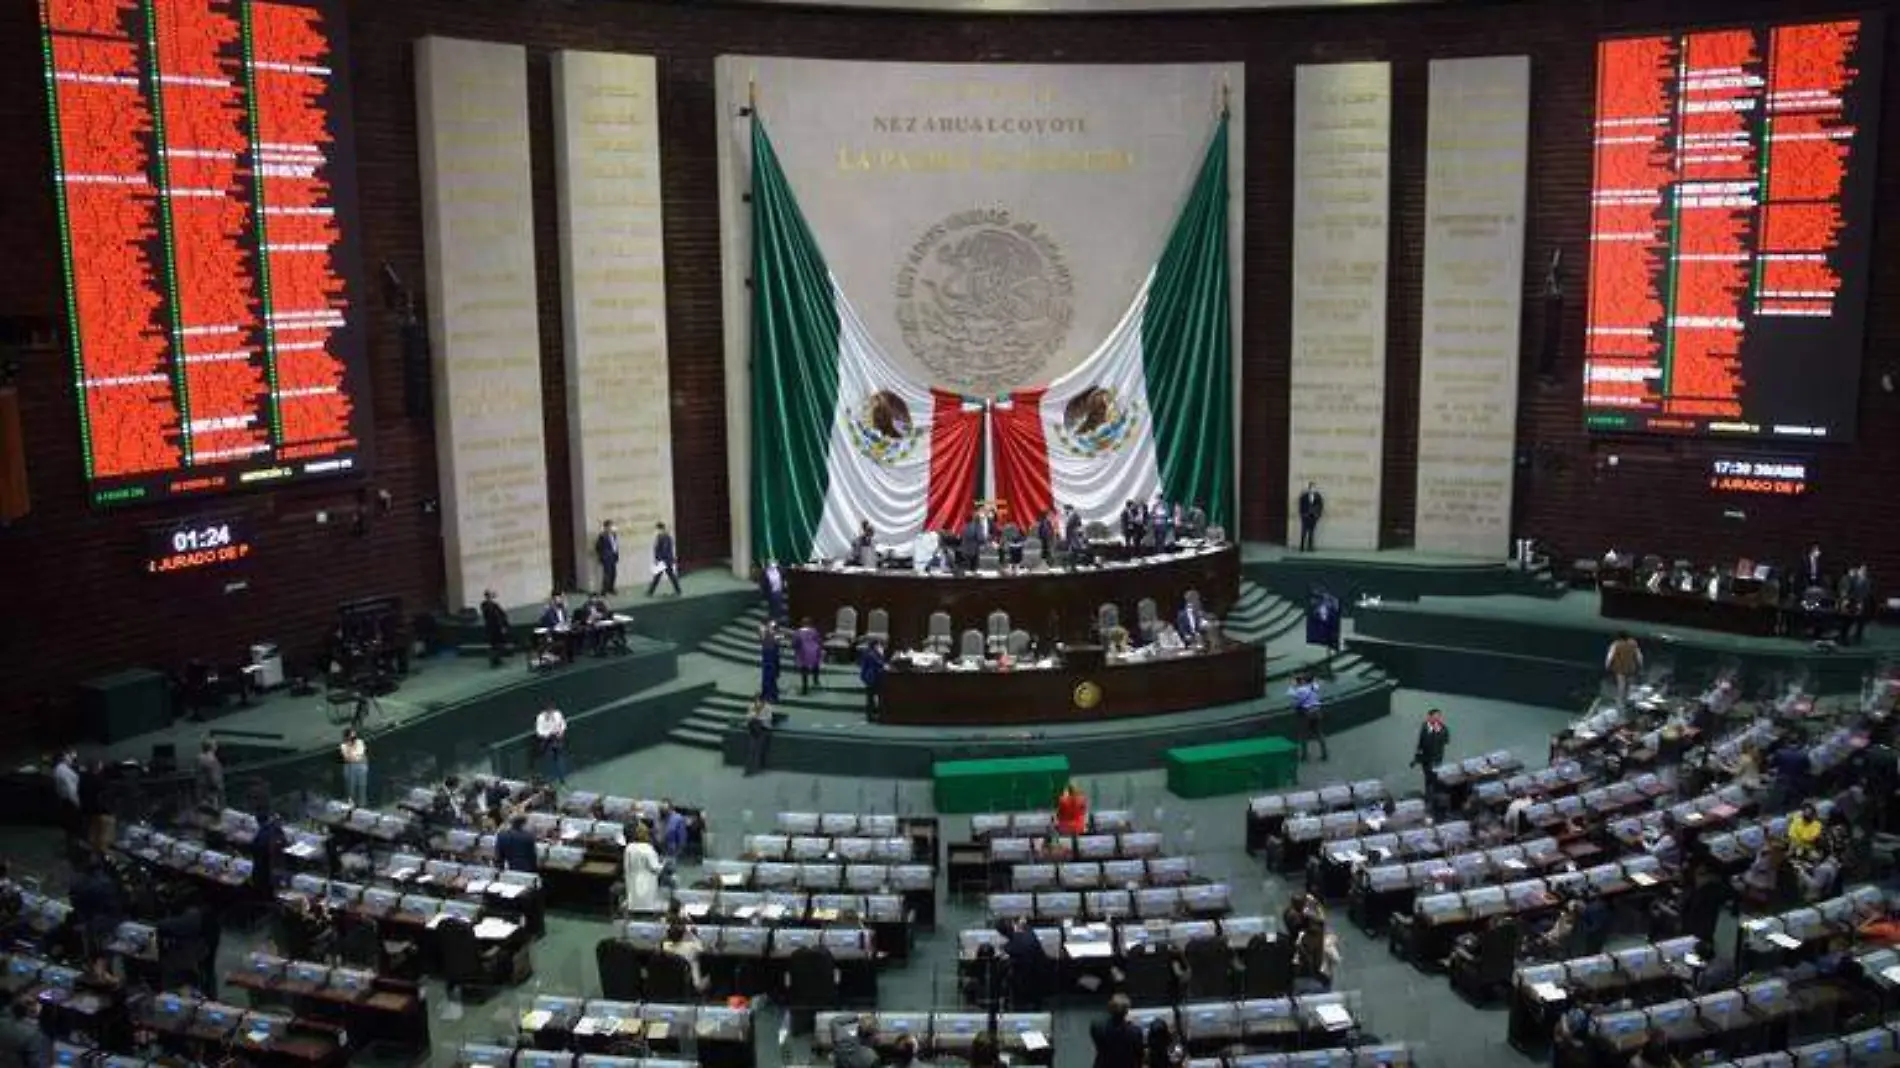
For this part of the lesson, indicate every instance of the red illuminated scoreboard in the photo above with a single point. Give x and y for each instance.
(1730, 231)
(206, 183)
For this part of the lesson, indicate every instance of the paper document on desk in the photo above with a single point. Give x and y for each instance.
(508, 890)
(1642, 878)
(495, 929)
(1034, 1042)
(1782, 940)
(699, 909)
(1548, 992)
(536, 1020)
(303, 849)
(480, 886)
(1333, 1017)
(1086, 950)
(1891, 975)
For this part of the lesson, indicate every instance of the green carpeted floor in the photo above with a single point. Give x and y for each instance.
(1399, 1002)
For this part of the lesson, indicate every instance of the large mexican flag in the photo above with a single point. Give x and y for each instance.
(1151, 410)
(840, 437)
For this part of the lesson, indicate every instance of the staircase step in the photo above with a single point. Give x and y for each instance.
(696, 739)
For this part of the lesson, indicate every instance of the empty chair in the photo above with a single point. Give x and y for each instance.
(1018, 643)
(997, 637)
(1210, 969)
(971, 647)
(938, 639)
(878, 629)
(1032, 555)
(844, 633)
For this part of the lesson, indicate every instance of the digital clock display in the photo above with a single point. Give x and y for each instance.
(1780, 478)
(195, 544)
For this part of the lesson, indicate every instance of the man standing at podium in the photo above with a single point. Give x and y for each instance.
(1312, 506)
(607, 551)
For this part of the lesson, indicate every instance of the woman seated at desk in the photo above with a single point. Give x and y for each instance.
(683, 942)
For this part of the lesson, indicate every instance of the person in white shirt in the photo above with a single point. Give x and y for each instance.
(1514, 813)
(640, 873)
(550, 737)
(355, 756)
(66, 789)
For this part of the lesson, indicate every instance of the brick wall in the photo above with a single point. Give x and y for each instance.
(72, 604)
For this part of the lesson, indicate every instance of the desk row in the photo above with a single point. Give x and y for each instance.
(1090, 875)
(891, 849)
(1529, 895)
(1154, 903)
(1085, 941)
(1040, 823)
(779, 875)
(787, 908)
(1124, 846)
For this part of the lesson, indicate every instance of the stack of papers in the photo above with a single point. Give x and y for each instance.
(1548, 992)
(1333, 1017)
(494, 929)
(508, 890)
(1034, 1041)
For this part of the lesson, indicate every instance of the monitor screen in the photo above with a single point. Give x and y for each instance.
(1732, 216)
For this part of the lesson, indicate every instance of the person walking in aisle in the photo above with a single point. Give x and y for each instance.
(1624, 661)
(758, 733)
(607, 551)
(1433, 737)
(772, 585)
(769, 661)
(871, 674)
(1306, 702)
(550, 738)
(1118, 1042)
(665, 560)
(808, 652)
(210, 776)
(354, 753)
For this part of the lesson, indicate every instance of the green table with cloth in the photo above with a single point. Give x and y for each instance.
(1232, 767)
(1012, 784)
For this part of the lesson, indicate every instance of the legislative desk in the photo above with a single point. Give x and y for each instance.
(1756, 616)
(990, 697)
(1047, 603)
(1728, 614)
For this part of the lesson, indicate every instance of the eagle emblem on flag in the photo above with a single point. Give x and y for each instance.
(881, 429)
(1097, 422)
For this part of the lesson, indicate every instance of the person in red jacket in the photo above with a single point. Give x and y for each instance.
(1072, 810)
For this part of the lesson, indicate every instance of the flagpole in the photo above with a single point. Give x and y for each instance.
(989, 452)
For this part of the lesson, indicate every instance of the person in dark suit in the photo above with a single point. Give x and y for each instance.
(1312, 507)
(1189, 621)
(772, 585)
(1118, 1042)
(495, 623)
(665, 560)
(1194, 524)
(559, 625)
(871, 674)
(1134, 524)
(607, 551)
(770, 658)
(1029, 965)
(515, 846)
(865, 543)
(1857, 603)
(1811, 572)
(1075, 538)
(1046, 533)
(1433, 737)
